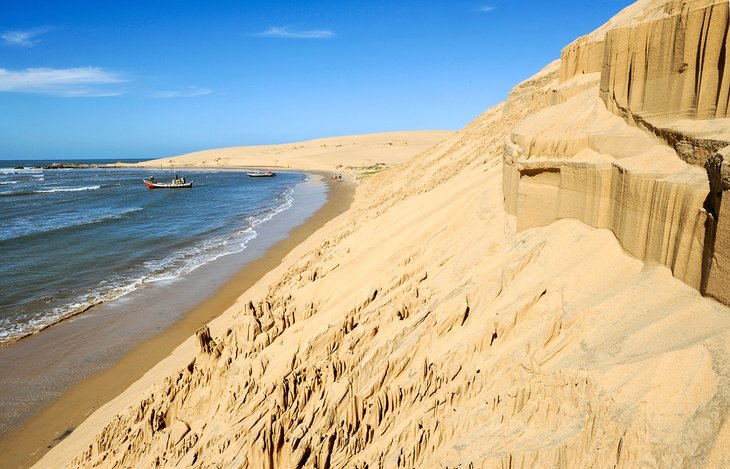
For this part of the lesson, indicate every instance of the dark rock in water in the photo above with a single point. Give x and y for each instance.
(68, 166)
(19, 167)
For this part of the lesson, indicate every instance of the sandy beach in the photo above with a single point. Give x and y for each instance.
(52, 421)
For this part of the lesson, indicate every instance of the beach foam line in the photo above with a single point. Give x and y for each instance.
(164, 270)
(11, 331)
(215, 248)
(47, 191)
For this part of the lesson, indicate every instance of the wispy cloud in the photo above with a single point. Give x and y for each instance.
(67, 82)
(486, 8)
(286, 33)
(189, 92)
(27, 38)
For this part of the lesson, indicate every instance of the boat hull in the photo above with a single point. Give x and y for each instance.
(167, 185)
(261, 174)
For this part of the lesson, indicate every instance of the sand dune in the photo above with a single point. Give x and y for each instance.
(355, 155)
(525, 293)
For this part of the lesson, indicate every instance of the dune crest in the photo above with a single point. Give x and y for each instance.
(484, 304)
(358, 155)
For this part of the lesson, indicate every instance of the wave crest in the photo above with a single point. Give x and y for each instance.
(68, 189)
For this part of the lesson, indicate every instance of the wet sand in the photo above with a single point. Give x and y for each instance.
(105, 378)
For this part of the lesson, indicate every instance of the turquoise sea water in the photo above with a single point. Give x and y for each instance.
(72, 238)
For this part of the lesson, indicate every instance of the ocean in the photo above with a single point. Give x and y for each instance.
(73, 238)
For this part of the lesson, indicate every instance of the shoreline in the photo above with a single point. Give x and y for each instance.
(7, 342)
(36, 435)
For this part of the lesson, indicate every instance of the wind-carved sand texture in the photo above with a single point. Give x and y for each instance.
(449, 319)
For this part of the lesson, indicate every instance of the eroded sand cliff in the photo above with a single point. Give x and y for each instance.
(523, 294)
(636, 140)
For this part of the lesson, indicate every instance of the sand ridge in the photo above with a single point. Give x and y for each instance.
(352, 155)
(441, 322)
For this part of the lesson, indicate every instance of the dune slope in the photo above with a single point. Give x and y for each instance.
(492, 302)
(354, 154)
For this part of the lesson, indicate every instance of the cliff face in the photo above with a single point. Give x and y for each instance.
(670, 68)
(582, 57)
(614, 155)
(431, 327)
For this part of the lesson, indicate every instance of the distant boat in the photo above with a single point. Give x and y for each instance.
(261, 174)
(174, 184)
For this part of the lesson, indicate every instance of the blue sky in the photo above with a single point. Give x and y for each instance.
(144, 79)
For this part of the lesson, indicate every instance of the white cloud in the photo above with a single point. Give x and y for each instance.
(486, 8)
(286, 33)
(69, 82)
(27, 38)
(189, 92)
